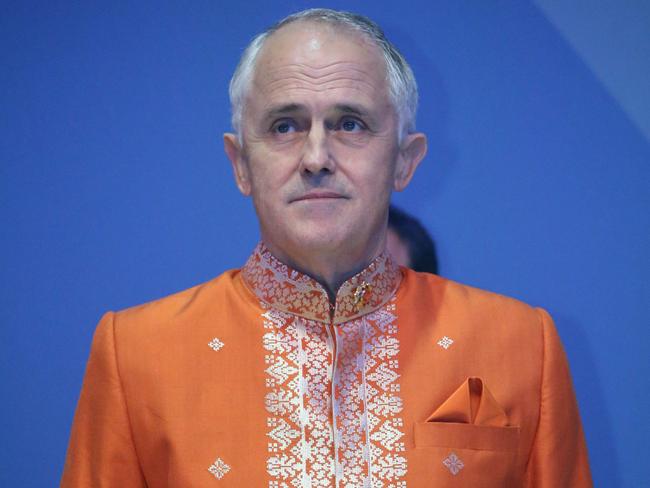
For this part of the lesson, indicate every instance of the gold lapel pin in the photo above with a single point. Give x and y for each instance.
(360, 294)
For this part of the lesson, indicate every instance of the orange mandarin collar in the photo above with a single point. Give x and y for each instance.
(286, 289)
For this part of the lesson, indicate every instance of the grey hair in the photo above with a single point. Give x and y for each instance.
(401, 81)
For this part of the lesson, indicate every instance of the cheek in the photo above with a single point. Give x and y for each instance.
(271, 182)
(373, 176)
(269, 168)
(377, 157)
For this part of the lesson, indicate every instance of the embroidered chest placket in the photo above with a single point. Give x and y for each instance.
(333, 400)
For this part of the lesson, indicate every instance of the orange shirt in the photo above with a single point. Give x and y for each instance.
(253, 379)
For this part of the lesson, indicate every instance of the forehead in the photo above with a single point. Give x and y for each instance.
(320, 59)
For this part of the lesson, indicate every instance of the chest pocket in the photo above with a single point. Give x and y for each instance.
(464, 455)
(467, 441)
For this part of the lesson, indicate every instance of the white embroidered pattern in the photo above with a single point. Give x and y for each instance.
(445, 342)
(215, 344)
(453, 463)
(350, 431)
(290, 291)
(219, 468)
(367, 401)
(297, 381)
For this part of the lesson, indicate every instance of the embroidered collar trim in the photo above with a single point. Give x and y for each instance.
(288, 290)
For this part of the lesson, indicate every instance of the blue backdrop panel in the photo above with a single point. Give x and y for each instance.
(114, 190)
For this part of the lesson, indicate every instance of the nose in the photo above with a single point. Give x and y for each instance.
(316, 158)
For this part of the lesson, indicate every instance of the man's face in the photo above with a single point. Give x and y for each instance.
(320, 153)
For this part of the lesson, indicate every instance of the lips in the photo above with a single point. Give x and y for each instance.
(318, 195)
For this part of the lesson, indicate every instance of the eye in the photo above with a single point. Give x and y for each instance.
(351, 125)
(283, 127)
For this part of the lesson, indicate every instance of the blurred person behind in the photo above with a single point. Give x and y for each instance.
(409, 242)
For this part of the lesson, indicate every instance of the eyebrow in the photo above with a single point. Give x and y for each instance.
(289, 108)
(351, 109)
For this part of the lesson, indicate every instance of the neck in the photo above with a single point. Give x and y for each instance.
(330, 269)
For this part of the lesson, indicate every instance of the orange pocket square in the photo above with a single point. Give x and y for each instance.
(471, 403)
(468, 441)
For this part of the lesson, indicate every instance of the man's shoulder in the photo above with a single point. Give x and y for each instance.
(181, 305)
(469, 301)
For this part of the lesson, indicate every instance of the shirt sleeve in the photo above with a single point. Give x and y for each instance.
(558, 457)
(101, 452)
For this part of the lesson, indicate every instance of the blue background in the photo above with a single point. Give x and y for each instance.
(114, 189)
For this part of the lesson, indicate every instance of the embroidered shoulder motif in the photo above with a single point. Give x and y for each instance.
(215, 344)
(445, 342)
(219, 468)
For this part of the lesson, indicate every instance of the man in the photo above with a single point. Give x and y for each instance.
(409, 243)
(320, 362)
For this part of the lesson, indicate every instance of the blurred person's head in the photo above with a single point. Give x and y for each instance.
(409, 242)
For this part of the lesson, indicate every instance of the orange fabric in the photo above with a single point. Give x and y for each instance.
(472, 403)
(214, 387)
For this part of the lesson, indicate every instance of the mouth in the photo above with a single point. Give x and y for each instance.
(318, 195)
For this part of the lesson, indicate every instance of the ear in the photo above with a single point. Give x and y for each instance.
(234, 150)
(411, 152)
